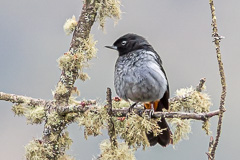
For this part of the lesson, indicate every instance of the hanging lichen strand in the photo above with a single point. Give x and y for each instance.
(82, 47)
(196, 102)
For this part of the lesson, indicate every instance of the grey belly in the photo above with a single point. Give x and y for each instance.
(140, 86)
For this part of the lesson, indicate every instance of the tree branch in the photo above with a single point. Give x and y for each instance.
(217, 39)
(181, 115)
(22, 99)
(81, 32)
(111, 128)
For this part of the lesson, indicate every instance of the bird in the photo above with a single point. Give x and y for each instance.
(139, 76)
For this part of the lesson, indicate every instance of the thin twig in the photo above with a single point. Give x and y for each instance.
(111, 128)
(199, 88)
(210, 148)
(217, 39)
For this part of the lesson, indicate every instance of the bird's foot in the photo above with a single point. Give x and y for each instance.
(150, 111)
(130, 109)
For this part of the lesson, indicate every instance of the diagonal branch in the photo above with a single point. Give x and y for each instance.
(81, 32)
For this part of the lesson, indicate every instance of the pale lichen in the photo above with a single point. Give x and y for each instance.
(122, 152)
(206, 127)
(135, 128)
(83, 76)
(19, 109)
(65, 61)
(54, 119)
(60, 89)
(64, 141)
(37, 150)
(35, 114)
(88, 47)
(191, 101)
(92, 121)
(70, 25)
(85, 52)
(107, 8)
(180, 129)
(120, 104)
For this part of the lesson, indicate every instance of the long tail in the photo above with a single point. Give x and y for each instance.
(165, 137)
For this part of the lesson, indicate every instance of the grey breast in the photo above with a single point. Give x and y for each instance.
(139, 77)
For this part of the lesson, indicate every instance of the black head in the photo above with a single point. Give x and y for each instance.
(130, 42)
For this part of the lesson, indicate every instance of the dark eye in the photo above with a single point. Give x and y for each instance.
(123, 43)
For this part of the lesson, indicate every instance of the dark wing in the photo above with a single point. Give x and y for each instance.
(164, 100)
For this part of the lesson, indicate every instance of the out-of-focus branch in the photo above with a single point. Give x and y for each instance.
(217, 39)
(22, 99)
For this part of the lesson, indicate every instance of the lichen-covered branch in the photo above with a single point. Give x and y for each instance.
(70, 61)
(199, 88)
(82, 48)
(210, 148)
(22, 99)
(111, 128)
(217, 39)
(181, 115)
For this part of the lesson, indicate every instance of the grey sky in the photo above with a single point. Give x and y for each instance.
(32, 39)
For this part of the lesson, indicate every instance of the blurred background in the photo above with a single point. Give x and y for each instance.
(32, 38)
